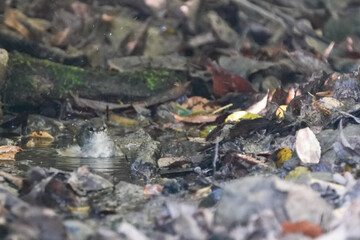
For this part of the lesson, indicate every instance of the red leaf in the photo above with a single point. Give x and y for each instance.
(225, 82)
(304, 227)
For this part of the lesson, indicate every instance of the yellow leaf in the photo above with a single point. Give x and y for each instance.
(240, 115)
(207, 130)
(41, 134)
(348, 168)
(123, 121)
(280, 111)
(297, 172)
(283, 155)
(78, 209)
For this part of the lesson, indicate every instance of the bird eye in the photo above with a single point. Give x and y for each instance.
(91, 129)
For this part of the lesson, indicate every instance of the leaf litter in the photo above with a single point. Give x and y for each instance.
(260, 140)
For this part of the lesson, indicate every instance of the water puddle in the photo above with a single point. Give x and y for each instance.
(114, 169)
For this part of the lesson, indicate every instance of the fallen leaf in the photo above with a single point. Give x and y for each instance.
(251, 160)
(40, 134)
(202, 193)
(197, 118)
(31, 143)
(259, 106)
(280, 111)
(8, 152)
(152, 189)
(307, 146)
(167, 161)
(15, 180)
(241, 115)
(123, 121)
(199, 104)
(297, 172)
(11, 19)
(304, 227)
(225, 82)
(283, 155)
(207, 130)
(281, 97)
(78, 209)
(96, 105)
(347, 149)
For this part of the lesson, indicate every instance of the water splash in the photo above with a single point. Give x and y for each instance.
(100, 145)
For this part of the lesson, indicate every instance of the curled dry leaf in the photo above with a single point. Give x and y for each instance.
(259, 106)
(8, 152)
(197, 118)
(307, 146)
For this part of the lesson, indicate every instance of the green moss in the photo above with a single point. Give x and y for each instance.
(154, 77)
(65, 77)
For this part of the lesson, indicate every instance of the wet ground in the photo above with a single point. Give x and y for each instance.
(114, 169)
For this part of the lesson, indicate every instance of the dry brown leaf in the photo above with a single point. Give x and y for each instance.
(11, 19)
(60, 37)
(96, 105)
(303, 227)
(202, 193)
(167, 161)
(8, 152)
(152, 189)
(15, 180)
(199, 104)
(251, 160)
(307, 146)
(41, 134)
(197, 118)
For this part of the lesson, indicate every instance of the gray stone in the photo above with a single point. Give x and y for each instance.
(252, 195)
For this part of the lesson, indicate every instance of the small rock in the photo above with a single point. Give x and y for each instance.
(252, 195)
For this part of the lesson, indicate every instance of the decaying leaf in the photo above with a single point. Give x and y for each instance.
(282, 155)
(15, 180)
(152, 189)
(303, 227)
(297, 172)
(167, 161)
(307, 146)
(11, 19)
(251, 160)
(80, 209)
(225, 82)
(280, 111)
(41, 134)
(96, 105)
(202, 192)
(123, 121)
(241, 115)
(8, 152)
(199, 104)
(197, 118)
(259, 106)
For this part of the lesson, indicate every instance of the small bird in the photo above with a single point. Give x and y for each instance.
(90, 129)
(93, 141)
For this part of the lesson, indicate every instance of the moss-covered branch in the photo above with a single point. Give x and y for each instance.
(30, 79)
